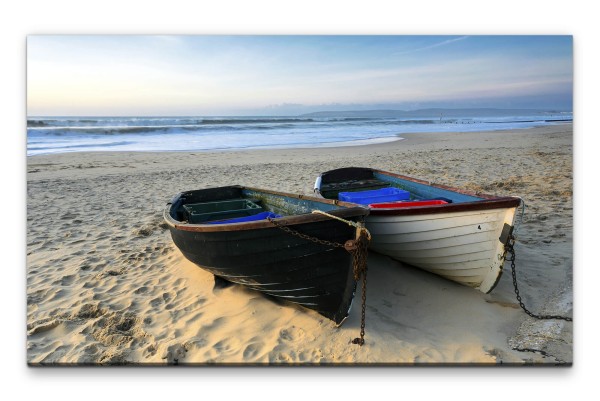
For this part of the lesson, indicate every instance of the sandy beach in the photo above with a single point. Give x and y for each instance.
(106, 284)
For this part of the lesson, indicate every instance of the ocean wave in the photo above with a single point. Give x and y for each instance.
(176, 121)
(164, 129)
(58, 148)
(255, 120)
(38, 123)
(557, 120)
(142, 130)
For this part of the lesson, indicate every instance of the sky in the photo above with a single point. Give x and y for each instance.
(137, 75)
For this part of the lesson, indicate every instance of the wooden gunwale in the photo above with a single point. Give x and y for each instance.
(497, 203)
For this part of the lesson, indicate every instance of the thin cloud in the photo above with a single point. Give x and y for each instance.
(443, 43)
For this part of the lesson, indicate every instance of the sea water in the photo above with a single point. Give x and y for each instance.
(75, 134)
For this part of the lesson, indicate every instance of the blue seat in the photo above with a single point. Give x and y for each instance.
(389, 194)
(254, 217)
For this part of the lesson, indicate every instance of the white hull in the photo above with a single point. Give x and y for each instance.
(460, 246)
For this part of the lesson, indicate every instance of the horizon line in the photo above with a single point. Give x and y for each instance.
(312, 112)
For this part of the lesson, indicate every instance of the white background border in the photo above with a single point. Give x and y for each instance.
(457, 17)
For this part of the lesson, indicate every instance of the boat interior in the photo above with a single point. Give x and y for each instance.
(234, 204)
(371, 187)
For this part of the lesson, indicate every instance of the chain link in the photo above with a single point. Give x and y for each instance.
(359, 251)
(304, 236)
(360, 255)
(509, 248)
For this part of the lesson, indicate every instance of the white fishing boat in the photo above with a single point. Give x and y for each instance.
(447, 231)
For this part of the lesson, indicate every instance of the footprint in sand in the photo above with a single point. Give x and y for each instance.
(150, 283)
(277, 356)
(150, 350)
(226, 346)
(68, 216)
(141, 290)
(91, 349)
(317, 355)
(253, 349)
(42, 326)
(175, 354)
(167, 298)
(89, 311)
(92, 263)
(292, 334)
(115, 272)
(429, 355)
(156, 302)
(125, 324)
(145, 231)
(67, 280)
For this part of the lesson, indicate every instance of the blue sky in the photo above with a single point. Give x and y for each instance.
(288, 75)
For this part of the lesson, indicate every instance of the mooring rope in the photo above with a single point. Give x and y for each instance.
(350, 223)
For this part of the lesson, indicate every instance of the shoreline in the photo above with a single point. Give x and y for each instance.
(340, 144)
(100, 258)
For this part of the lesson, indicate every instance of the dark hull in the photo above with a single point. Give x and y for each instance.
(265, 258)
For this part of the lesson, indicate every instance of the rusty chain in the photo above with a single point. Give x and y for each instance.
(509, 248)
(358, 249)
(304, 236)
(359, 256)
